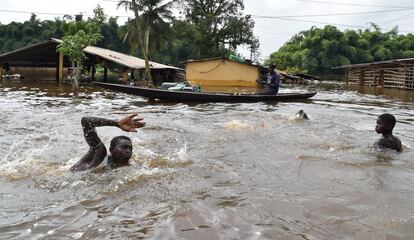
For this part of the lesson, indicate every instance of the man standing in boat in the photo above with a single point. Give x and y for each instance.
(272, 82)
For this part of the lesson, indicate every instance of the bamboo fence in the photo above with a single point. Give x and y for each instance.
(399, 76)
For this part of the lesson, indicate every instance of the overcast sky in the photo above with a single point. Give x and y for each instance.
(272, 32)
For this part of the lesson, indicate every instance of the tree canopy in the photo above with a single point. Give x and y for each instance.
(78, 35)
(212, 28)
(317, 50)
(206, 28)
(219, 26)
(150, 19)
(16, 35)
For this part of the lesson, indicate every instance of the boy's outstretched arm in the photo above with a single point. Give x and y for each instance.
(89, 132)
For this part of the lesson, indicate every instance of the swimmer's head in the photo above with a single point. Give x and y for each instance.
(302, 115)
(121, 149)
(385, 123)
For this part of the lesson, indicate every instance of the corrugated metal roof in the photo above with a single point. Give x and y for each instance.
(27, 48)
(113, 56)
(124, 59)
(393, 61)
(121, 58)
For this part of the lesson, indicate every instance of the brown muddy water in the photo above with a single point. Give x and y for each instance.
(207, 171)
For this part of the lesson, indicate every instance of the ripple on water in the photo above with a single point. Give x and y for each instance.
(205, 171)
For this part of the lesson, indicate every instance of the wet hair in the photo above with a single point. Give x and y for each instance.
(116, 140)
(388, 119)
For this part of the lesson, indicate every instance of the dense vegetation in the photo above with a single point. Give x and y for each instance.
(16, 35)
(78, 36)
(211, 28)
(319, 49)
(208, 28)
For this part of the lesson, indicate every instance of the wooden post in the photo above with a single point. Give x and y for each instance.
(406, 76)
(381, 78)
(125, 74)
(60, 69)
(1, 73)
(105, 76)
(93, 71)
(346, 75)
(132, 74)
(362, 77)
(105, 73)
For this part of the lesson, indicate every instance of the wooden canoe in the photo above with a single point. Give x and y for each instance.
(187, 96)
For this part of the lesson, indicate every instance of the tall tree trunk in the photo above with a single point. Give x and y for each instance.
(146, 57)
(142, 39)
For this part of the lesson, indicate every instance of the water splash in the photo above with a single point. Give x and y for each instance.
(239, 124)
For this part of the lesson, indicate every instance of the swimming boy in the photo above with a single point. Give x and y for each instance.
(385, 125)
(120, 148)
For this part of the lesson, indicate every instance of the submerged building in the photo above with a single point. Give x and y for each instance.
(222, 72)
(397, 73)
(42, 60)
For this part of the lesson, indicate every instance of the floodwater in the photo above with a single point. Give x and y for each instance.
(207, 171)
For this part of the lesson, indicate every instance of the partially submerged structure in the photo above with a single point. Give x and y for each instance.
(397, 73)
(222, 72)
(45, 55)
(225, 72)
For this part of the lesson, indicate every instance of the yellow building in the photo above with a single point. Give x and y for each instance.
(222, 72)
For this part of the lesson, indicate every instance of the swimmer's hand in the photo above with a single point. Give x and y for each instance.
(130, 123)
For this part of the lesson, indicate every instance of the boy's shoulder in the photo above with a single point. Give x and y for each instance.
(395, 139)
(391, 142)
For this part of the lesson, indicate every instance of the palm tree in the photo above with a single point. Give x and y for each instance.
(158, 37)
(149, 15)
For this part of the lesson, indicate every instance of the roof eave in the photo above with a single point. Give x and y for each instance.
(394, 61)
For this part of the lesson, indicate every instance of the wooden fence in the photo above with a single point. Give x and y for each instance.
(399, 76)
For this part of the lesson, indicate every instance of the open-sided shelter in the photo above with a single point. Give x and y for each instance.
(45, 55)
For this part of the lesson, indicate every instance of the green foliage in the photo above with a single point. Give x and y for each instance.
(150, 17)
(296, 70)
(319, 49)
(72, 45)
(16, 35)
(219, 26)
(153, 15)
(111, 37)
(80, 34)
(198, 34)
(178, 47)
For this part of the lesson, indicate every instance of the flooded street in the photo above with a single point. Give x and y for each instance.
(207, 171)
